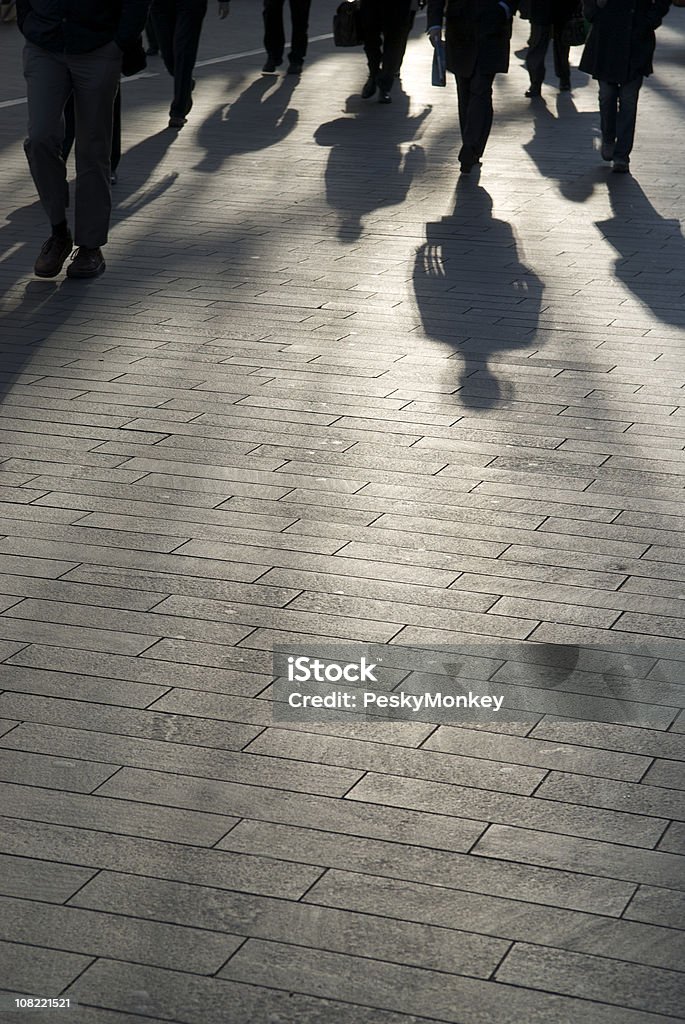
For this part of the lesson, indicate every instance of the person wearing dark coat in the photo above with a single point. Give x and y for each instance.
(78, 48)
(477, 39)
(178, 25)
(618, 53)
(274, 34)
(547, 19)
(385, 27)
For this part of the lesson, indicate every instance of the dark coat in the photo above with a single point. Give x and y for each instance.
(80, 26)
(477, 34)
(550, 12)
(621, 42)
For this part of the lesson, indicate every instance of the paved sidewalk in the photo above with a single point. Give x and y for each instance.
(322, 395)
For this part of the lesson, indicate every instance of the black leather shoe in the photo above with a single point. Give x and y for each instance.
(52, 256)
(533, 91)
(295, 67)
(565, 86)
(384, 97)
(370, 87)
(621, 167)
(270, 65)
(176, 122)
(86, 263)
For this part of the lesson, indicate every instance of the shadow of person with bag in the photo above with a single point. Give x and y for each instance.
(475, 294)
(368, 170)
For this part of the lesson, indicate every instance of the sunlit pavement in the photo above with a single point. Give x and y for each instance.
(328, 392)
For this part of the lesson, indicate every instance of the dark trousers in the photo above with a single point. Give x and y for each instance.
(618, 114)
(474, 95)
(537, 51)
(93, 78)
(385, 24)
(274, 32)
(70, 131)
(178, 24)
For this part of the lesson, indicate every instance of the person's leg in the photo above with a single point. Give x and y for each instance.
(69, 128)
(395, 26)
(116, 134)
(463, 100)
(163, 17)
(405, 39)
(95, 78)
(151, 36)
(274, 32)
(628, 95)
(299, 11)
(48, 85)
(535, 60)
(561, 51)
(608, 108)
(371, 28)
(189, 17)
(478, 118)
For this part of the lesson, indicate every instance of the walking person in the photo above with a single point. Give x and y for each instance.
(619, 53)
(177, 25)
(385, 27)
(548, 19)
(75, 48)
(477, 40)
(274, 34)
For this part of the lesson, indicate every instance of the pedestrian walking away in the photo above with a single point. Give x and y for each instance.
(76, 48)
(177, 24)
(274, 34)
(619, 54)
(477, 41)
(548, 20)
(385, 27)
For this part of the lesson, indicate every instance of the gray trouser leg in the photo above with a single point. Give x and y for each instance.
(94, 79)
(48, 85)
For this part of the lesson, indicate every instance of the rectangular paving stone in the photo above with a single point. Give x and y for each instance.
(666, 773)
(184, 758)
(316, 927)
(604, 859)
(526, 812)
(26, 969)
(277, 805)
(531, 751)
(77, 776)
(29, 878)
(116, 936)
(640, 798)
(594, 977)
(657, 905)
(219, 868)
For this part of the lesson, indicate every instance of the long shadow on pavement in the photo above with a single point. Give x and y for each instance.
(467, 278)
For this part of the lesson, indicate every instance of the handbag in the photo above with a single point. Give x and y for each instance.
(347, 24)
(439, 69)
(575, 32)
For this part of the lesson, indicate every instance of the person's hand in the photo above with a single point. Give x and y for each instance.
(224, 8)
(435, 35)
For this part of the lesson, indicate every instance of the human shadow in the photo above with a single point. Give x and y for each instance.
(562, 147)
(131, 193)
(360, 147)
(261, 117)
(475, 294)
(651, 250)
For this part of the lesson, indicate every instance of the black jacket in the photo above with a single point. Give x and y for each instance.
(621, 42)
(477, 34)
(79, 26)
(549, 12)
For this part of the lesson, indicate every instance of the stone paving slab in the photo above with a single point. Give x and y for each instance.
(330, 395)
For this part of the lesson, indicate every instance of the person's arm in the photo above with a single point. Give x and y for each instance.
(23, 8)
(132, 21)
(435, 14)
(659, 10)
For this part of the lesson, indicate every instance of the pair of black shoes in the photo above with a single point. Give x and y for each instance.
(271, 63)
(55, 252)
(371, 87)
